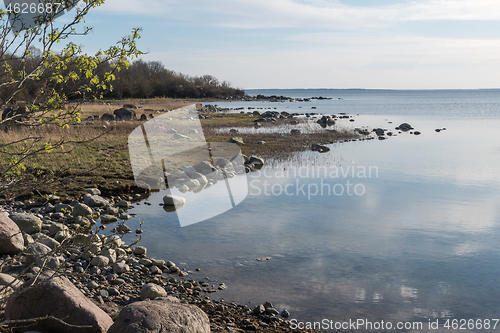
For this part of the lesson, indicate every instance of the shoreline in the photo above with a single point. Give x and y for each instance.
(111, 274)
(121, 192)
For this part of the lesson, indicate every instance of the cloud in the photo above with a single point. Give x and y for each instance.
(258, 14)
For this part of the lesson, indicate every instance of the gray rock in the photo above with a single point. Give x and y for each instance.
(11, 238)
(34, 252)
(162, 315)
(106, 218)
(27, 222)
(125, 114)
(56, 227)
(59, 298)
(151, 291)
(60, 207)
(82, 210)
(236, 139)
(6, 279)
(140, 251)
(108, 117)
(110, 254)
(99, 261)
(124, 204)
(121, 267)
(94, 200)
(222, 162)
(173, 200)
(285, 314)
(92, 284)
(204, 167)
(46, 240)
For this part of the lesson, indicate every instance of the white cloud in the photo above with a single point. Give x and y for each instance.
(289, 13)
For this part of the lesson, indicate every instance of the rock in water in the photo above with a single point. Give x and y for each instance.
(162, 315)
(11, 239)
(173, 200)
(59, 298)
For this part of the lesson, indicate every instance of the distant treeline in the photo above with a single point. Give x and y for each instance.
(151, 79)
(140, 80)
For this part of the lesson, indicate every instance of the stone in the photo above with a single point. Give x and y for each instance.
(124, 204)
(59, 298)
(82, 210)
(110, 254)
(151, 291)
(46, 240)
(11, 238)
(56, 227)
(121, 267)
(236, 139)
(60, 207)
(99, 261)
(106, 218)
(108, 117)
(173, 200)
(295, 131)
(285, 314)
(140, 251)
(94, 200)
(204, 167)
(27, 222)
(6, 279)
(405, 127)
(125, 114)
(34, 252)
(163, 315)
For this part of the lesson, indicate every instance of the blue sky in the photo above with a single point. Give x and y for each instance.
(428, 44)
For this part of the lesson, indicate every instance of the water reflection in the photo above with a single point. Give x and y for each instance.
(420, 243)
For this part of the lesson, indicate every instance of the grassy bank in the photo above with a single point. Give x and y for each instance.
(103, 161)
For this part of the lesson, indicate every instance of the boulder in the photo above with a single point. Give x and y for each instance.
(236, 139)
(405, 127)
(161, 315)
(108, 117)
(204, 167)
(151, 291)
(11, 238)
(295, 131)
(125, 114)
(319, 148)
(36, 251)
(99, 261)
(59, 298)
(82, 210)
(46, 240)
(94, 200)
(173, 200)
(27, 222)
(143, 117)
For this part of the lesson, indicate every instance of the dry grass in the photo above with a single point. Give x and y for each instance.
(104, 161)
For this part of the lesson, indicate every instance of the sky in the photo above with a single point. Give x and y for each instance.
(372, 44)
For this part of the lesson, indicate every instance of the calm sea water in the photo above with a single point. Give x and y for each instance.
(414, 237)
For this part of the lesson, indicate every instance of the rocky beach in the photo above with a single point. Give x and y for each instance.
(66, 268)
(63, 271)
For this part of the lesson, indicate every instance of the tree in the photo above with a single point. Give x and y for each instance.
(36, 70)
